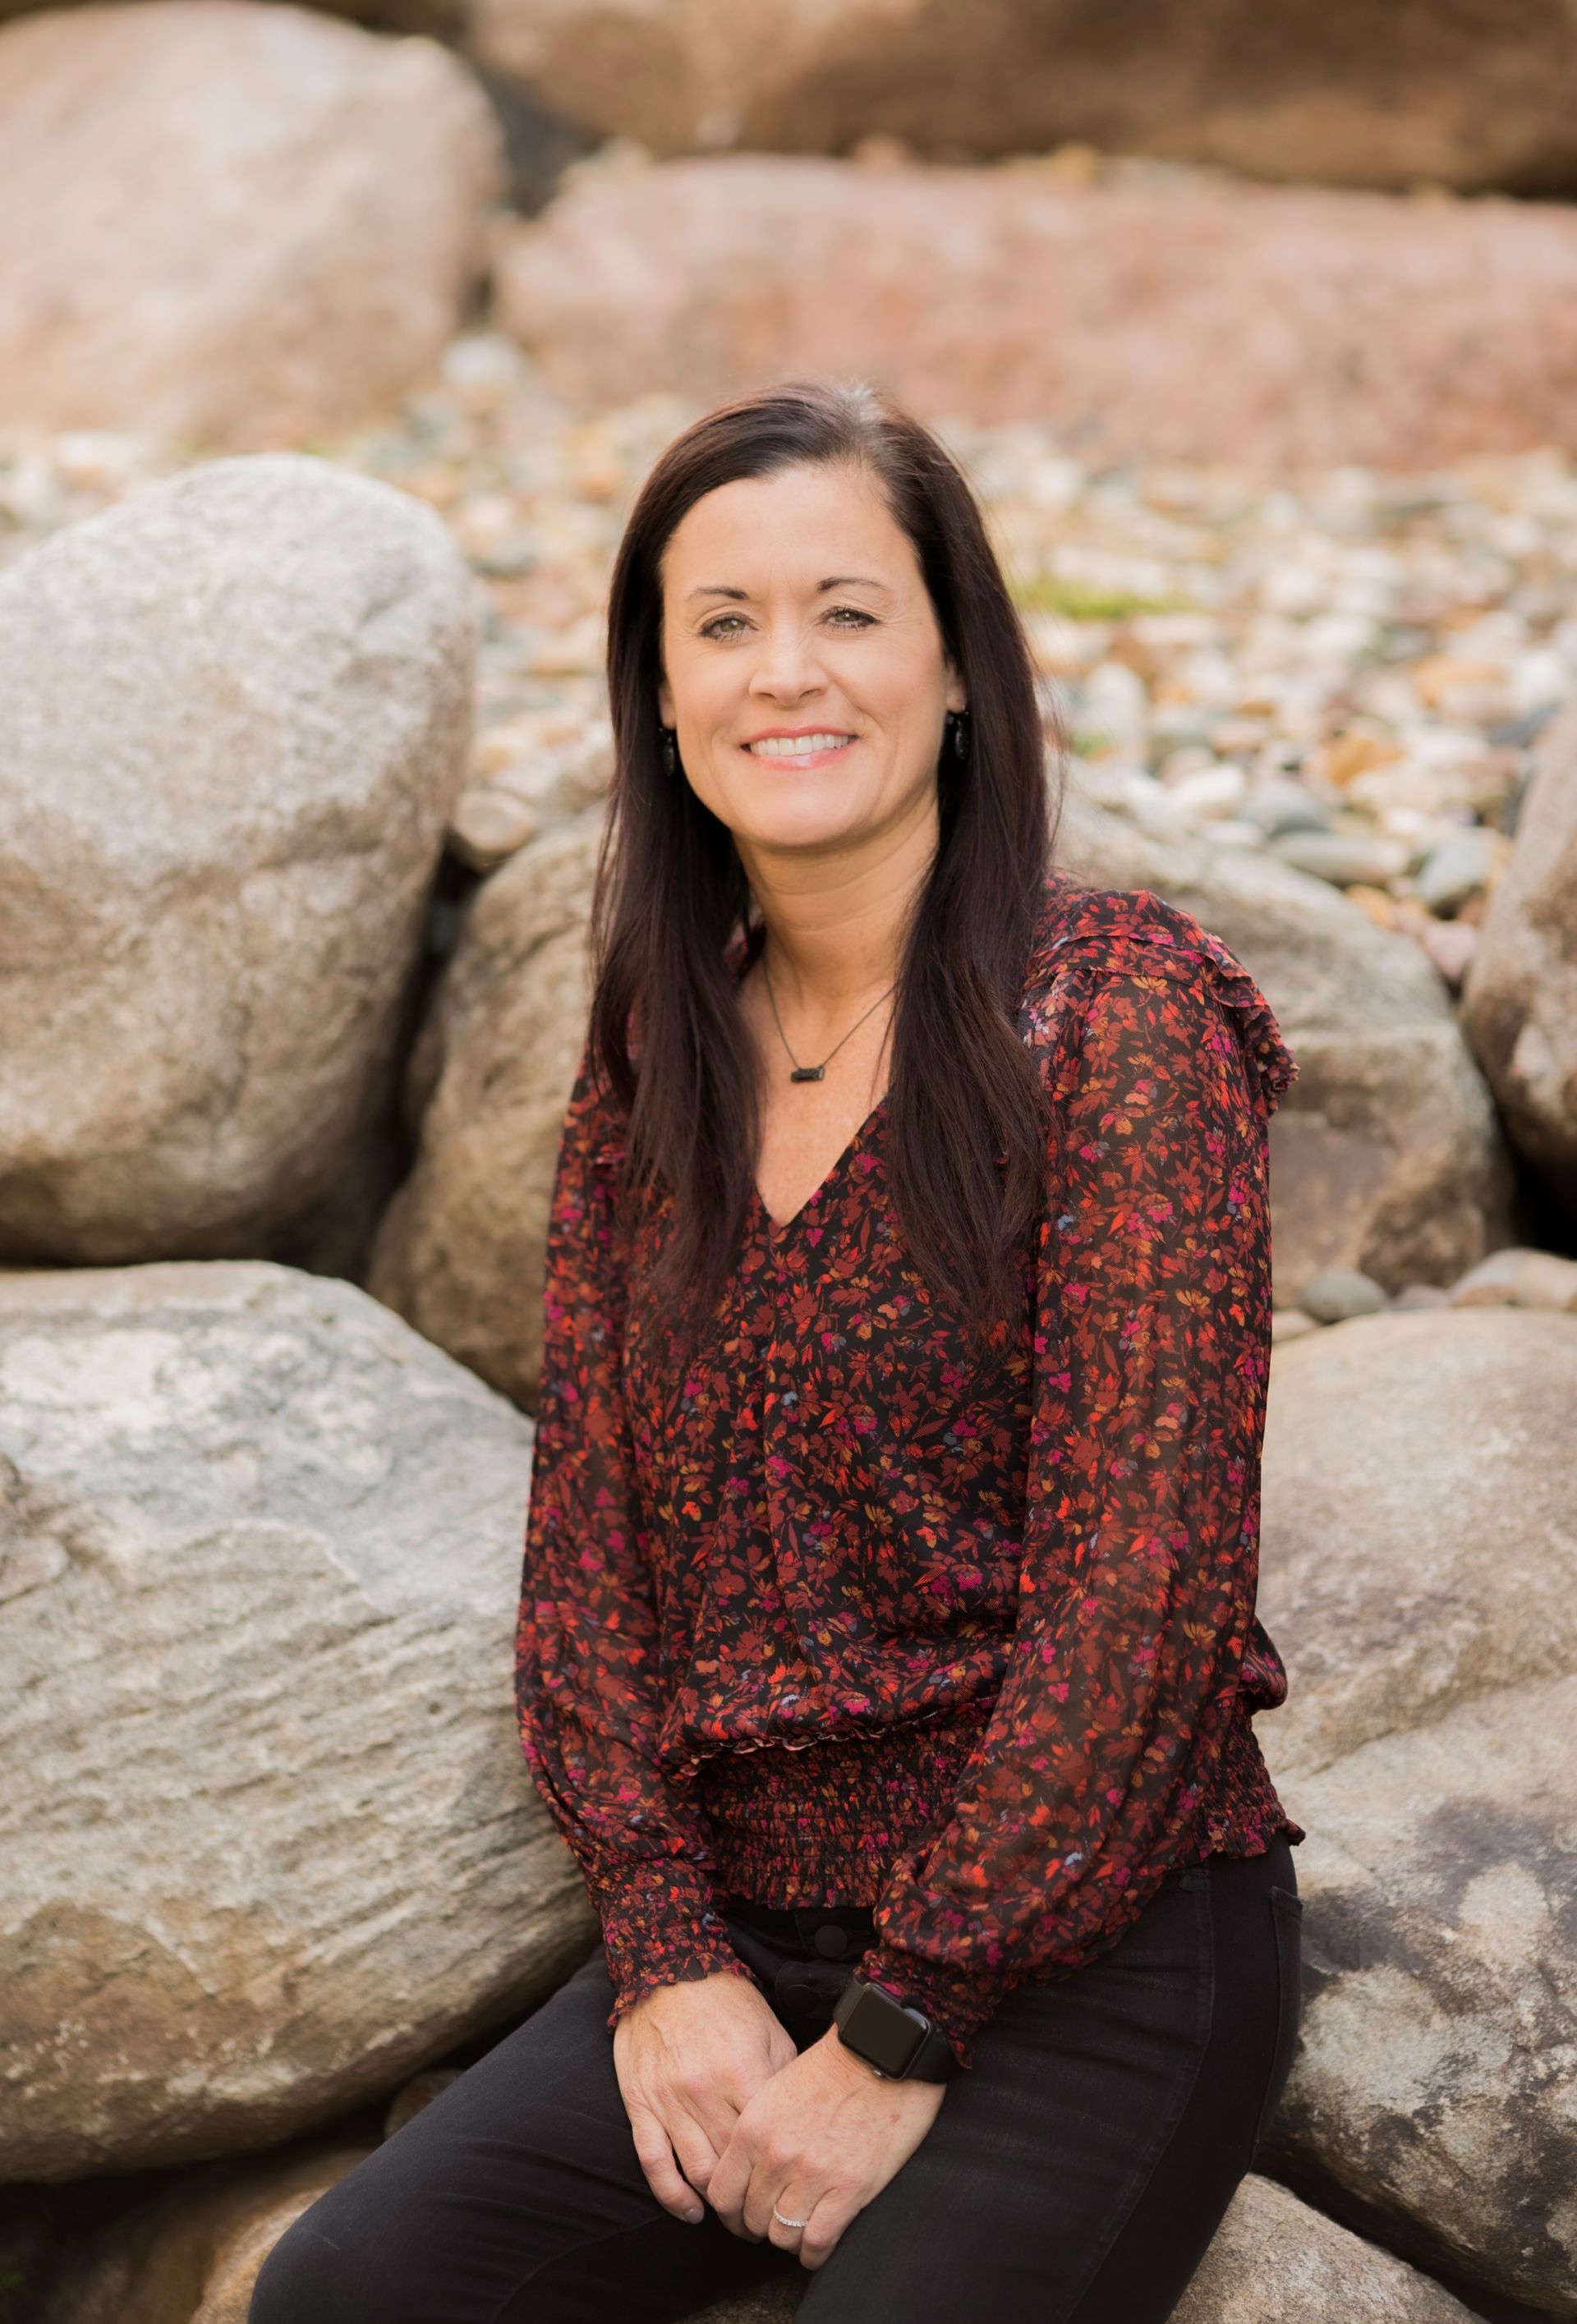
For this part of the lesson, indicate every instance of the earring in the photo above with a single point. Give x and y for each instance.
(671, 757)
(959, 722)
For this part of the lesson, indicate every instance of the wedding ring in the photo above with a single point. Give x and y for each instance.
(782, 2222)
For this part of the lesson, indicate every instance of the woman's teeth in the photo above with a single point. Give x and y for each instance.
(797, 746)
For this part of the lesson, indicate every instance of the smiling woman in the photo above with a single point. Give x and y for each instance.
(887, 1649)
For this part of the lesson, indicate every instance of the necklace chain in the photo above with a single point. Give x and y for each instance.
(814, 1073)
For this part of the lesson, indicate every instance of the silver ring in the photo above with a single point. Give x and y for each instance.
(782, 2222)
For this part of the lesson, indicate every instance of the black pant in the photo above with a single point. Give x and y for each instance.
(1074, 2175)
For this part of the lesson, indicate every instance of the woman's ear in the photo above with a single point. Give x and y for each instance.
(665, 703)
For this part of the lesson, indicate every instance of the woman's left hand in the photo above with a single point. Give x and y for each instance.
(820, 2140)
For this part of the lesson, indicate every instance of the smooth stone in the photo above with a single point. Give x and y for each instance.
(1340, 1292)
(1519, 1277)
(1344, 858)
(1460, 868)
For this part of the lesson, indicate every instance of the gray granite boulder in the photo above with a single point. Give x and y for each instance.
(269, 1841)
(1419, 1575)
(234, 712)
(1386, 1155)
(459, 1250)
(1519, 997)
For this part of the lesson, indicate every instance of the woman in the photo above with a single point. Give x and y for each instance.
(887, 1647)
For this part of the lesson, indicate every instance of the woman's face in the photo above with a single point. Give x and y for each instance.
(803, 670)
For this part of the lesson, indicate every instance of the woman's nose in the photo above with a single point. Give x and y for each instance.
(786, 664)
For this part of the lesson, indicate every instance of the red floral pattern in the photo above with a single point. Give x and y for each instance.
(834, 1615)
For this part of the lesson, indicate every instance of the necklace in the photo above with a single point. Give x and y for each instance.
(816, 1072)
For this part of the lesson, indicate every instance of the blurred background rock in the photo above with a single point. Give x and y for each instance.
(334, 346)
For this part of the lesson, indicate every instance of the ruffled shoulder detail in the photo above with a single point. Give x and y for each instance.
(1115, 929)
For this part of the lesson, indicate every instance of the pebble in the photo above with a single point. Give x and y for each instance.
(1340, 1292)
(1519, 1277)
(1347, 670)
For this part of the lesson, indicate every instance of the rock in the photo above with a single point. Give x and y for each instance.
(1385, 1153)
(1345, 858)
(270, 1845)
(1460, 868)
(1423, 1589)
(459, 1250)
(192, 2253)
(1519, 999)
(1518, 1278)
(416, 2094)
(1291, 1323)
(1451, 946)
(230, 222)
(234, 713)
(1011, 298)
(1340, 1292)
(1350, 96)
(774, 2303)
(1273, 2260)
(1280, 806)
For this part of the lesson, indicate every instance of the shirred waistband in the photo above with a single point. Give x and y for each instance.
(825, 1825)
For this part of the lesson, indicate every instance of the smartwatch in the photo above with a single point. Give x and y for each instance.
(900, 2043)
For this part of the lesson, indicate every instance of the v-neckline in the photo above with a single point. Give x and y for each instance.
(777, 1228)
(733, 954)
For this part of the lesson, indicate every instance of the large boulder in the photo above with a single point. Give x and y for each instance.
(1419, 1575)
(1264, 325)
(269, 1841)
(1473, 96)
(230, 221)
(234, 715)
(1385, 1153)
(1520, 995)
(459, 1251)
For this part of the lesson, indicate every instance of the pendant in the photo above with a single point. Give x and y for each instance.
(807, 1073)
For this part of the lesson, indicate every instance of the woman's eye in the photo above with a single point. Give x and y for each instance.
(863, 620)
(844, 615)
(710, 629)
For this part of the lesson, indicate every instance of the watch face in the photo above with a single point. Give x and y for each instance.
(882, 2030)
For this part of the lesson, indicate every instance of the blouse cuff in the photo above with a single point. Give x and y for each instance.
(661, 1925)
(958, 2003)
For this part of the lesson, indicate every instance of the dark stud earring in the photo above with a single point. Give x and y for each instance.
(959, 722)
(671, 757)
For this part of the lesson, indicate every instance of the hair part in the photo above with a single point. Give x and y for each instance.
(964, 1125)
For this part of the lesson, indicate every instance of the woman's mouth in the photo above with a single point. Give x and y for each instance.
(800, 750)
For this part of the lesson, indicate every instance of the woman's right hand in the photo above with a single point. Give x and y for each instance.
(690, 2058)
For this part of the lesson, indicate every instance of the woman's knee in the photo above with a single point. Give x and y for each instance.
(317, 2275)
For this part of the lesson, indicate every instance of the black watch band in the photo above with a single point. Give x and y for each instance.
(899, 2042)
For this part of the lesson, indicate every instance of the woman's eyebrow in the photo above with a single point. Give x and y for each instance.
(835, 581)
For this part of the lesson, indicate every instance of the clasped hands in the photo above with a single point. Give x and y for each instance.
(722, 2106)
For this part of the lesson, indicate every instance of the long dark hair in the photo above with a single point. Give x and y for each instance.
(964, 1126)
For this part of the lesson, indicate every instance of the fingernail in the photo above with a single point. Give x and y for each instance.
(695, 2216)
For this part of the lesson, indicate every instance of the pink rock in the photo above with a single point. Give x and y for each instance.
(1263, 325)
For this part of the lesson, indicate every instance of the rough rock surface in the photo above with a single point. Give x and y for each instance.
(230, 221)
(1385, 1153)
(1263, 326)
(269, 1842)
(459, 1250)
(1273, 2260)
(1520, 995)
(1348, 94)
(234, 713)
(1423, 1589)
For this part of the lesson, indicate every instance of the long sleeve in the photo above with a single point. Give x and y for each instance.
(587, 1651)
(1140, 1551)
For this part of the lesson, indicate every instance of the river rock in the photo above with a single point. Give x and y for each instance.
(1346, 96)
(1519, 997)
(1423, 1589)
(1010, 296)
(270, 1845)
(237, 222)
(459, 1251)
(233, 717)
(1386, 1156)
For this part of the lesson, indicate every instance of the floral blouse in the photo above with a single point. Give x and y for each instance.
(834, 1615)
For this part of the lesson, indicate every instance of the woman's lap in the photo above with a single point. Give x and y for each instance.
(1074, 2176)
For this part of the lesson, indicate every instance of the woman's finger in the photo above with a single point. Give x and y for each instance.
(797, 2204)
(823, 2228)
(655, 2154)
